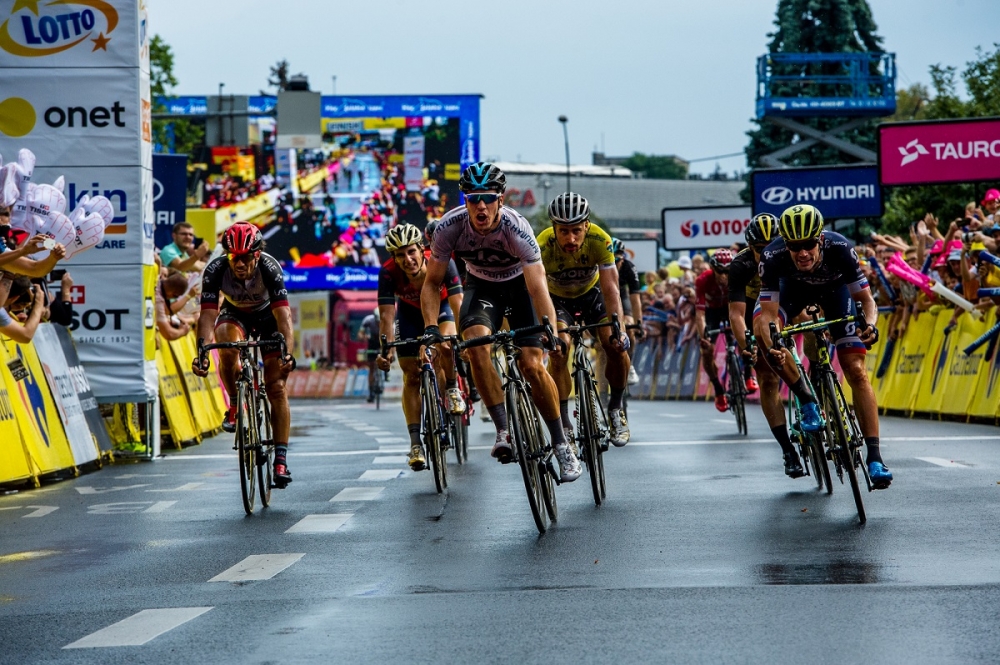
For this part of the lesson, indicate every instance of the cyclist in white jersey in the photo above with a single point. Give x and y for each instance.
(505, 278)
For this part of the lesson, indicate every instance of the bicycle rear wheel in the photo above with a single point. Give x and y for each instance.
(845, 450)
(736, 390)
(604, 436)
(265, 453)
(245, 444)
(587, 432)
(548, 485)
(433, 426)
(524, 434)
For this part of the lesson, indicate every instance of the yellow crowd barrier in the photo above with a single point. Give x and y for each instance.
(205, 409)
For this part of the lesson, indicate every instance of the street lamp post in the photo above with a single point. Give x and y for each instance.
(563, 119)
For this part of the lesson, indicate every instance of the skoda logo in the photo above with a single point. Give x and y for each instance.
(776, 196)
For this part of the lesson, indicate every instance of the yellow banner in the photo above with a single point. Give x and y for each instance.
(909, 360)
(208, 223)
(452, 171)
(184, 350)
(150, 274)
(312, 180)
(13, 463)
(986, 398)
(42, 428)
(372, 124)
(173, 398)
(934, 368)
(962, 371)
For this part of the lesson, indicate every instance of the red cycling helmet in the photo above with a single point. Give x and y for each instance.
(720, 260)
(242, 238)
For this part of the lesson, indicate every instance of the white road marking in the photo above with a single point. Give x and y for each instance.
(106, 490)
(40, 511)
(393, 459)
(380, 474)
(257, 567)
(940, 461)
(394, 449)
(358, 494)
(141, 475)
(139, 628)
(380, 433)
(389, 439)
(670, 415)
(320, 523)
(724, 421)
(159, 507)
(186, 487)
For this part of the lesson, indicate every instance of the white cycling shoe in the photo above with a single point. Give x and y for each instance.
(569, 464)
(502, 451)
(453, 397)
(633, 376)
(619, 428)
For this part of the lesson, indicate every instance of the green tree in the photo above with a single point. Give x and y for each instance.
(278, 78)
(175, 135)
(981, 77)
(656, 167)
(816, 26)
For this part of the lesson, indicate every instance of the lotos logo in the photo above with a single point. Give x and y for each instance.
(776, 196)
(689, 229)
(917, 149)
(17, 117)
(58, 26)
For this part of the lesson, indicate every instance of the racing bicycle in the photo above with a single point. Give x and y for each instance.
(254, 438)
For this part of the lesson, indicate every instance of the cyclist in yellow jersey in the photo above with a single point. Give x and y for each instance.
(583, 282)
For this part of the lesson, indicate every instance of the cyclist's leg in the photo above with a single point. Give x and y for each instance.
(265, 326)
(713, 317)
(482, 313)
(616, 371)
(559, 367)
(446, 362)
(411, 409)
(228, 328)
(793, 301)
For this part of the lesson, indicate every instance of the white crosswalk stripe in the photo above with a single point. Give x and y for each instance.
(257, 567)
(139, 628)
(320, 523)
(358, 494)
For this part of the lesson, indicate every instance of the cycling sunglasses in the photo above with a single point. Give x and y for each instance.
(476, 199)
(242, 258)
(806, 245)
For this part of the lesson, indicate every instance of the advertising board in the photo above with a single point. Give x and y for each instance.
(704, 227)
(839, 192)
(941, 151)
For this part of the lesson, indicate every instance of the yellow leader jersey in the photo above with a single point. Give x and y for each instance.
(572, 275)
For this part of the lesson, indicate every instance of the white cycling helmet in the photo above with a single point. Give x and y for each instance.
(569, 208)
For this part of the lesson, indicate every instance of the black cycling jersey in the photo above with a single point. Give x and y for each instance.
(744, 279)
(266, 287)
(838, 266)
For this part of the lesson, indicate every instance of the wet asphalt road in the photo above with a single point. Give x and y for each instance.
(703, 552)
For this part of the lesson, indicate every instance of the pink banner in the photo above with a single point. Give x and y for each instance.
(937, 152)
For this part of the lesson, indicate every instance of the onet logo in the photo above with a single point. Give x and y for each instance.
(917, 149)
(776, 196)
(33, 32)
(17, 117)
(689, 229)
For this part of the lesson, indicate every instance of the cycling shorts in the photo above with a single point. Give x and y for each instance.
(410, 324)
(487, 304)
(588, 308)
(836, 303)
(260, 324)
(714, 317)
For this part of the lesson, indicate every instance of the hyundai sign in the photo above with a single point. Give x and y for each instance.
(704, 228)
(917, 153)
(838, 191)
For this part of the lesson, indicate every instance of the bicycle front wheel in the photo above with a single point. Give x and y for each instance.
(265, 453)
(736, 393)
(523, 434)
(587, 433)
(835, 409)
(432, 430)
(245, 444)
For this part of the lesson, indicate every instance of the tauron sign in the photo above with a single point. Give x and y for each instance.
(838, 191)
(912, 153)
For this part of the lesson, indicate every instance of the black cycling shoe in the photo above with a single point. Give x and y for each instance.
(229, 422)
(793, 467)
(282, 476)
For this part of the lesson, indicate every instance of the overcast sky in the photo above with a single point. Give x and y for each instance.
(654, 76)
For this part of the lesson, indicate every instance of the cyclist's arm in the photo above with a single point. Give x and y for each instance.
(699, 322)
(430, 294)
(636, 307)
(283, 315)
(608, 280)
(538, 289)
(386, 321)
(206, 324)
(737, 321)
(455, 302)
(868, 305)
(769, 312)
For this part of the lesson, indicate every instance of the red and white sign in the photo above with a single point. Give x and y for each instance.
(939, 152)
(704, 228)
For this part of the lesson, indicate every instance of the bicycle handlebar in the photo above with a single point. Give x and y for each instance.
(614, 324)
(511, 336)
(278, 340)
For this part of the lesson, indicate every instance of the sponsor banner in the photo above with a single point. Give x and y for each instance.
(125, 240)
(912, 153)
(169, 195)
(343, 126)
(839, 191)
(920, 387)
(13, 462)
(986, 395)
(68, 33)
(73, 117)
(206, 418)
(84, 392)
(340, 277)
(310, 318)
(413, 162)
(667, 370)
(173, 398)
(56, 370)
(704, 228)
(644, 361)
(645, 254)
(112, 314)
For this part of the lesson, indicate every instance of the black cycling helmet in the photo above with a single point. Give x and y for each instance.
(763, 228)
(482, 176)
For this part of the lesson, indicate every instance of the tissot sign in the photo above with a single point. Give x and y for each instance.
(838, 191)
(940, 151)
(704, 228)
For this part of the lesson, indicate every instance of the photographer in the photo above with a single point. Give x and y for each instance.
(23, 313)
(14, 255)
(187, 252)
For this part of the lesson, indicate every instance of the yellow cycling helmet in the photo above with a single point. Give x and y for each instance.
(801, 222)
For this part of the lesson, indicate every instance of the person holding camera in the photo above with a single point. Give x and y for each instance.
(187, 252)
(170, 290)
(23, 312)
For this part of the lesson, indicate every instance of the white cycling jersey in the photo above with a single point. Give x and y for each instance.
(498, 256)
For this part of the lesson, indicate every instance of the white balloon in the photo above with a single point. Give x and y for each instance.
(100, 205)
(9, 193)
(89, 232)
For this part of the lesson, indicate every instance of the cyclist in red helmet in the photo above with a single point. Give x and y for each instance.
(243, 293)
(712, 293)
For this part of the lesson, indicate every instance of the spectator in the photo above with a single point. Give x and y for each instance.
(991, 202)
(23, 312)
(168, 290)
(181, 254)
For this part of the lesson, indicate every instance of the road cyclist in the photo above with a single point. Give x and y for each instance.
(809, 266)
(254, 302)
(711, 310)
(505, 279)
(744, 288)
(582, 280)
(629, 288)
(400, 281)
